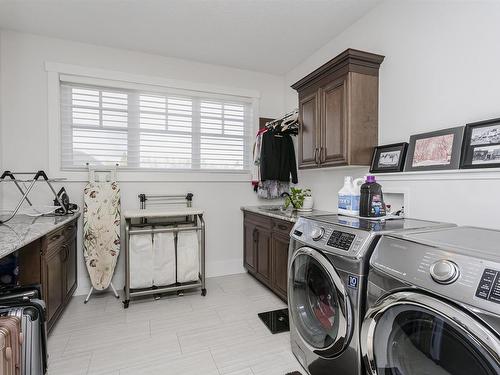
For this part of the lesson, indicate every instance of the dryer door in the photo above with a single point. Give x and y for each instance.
(411, 333)
(318, 303)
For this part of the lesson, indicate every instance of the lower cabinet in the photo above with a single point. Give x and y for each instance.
(266, 244)
(52, 275)
(279, 262)
(51, 262)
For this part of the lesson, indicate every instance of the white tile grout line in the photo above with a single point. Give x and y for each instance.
(179, 342)
(213, 359)
(90, 361)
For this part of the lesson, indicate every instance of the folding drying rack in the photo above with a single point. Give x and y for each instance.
(9, 176)
(136, 222)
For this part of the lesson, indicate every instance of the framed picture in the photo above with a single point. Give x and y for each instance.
(481, 146)
(389, 158)
(439, 150)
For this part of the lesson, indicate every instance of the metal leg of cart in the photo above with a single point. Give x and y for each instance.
(202, 257)
(126, 300)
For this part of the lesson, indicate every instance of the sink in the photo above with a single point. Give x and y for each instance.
(271, 208)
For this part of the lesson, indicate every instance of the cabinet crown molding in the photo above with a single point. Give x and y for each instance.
(351, 60)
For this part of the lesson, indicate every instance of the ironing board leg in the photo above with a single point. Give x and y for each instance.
(114, 290)
(88, 295)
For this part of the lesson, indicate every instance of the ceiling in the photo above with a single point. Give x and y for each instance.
(270, 36)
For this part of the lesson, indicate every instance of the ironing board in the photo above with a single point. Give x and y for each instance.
(101, 231)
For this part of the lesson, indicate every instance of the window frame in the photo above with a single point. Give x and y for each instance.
(98, 77)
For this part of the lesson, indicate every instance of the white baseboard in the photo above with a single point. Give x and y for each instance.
(213, 269)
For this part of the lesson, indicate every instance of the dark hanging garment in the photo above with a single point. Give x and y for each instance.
(278, 157)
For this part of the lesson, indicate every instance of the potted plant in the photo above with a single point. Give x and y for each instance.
(300, 199)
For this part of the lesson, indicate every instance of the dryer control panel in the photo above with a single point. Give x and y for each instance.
(463, 278)
(489, 286)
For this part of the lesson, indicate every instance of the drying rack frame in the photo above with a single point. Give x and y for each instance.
(37, 176)
(138, 228)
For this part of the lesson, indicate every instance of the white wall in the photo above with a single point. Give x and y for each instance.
(441, 70)
(25, 131)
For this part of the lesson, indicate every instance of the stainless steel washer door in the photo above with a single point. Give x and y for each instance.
(318, 303)
(410, 333)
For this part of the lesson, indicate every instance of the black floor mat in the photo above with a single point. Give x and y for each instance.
(276, 320)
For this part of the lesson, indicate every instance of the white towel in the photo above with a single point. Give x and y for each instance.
(141, 261)
(163, 259)
(188, 257)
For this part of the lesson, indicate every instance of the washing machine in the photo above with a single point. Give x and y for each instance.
(328, 265)
(434, 304)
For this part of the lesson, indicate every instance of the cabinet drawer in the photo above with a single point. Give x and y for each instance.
(282, 226)
(58, 237)
(69, 231)
(261, 220)
(55, 240)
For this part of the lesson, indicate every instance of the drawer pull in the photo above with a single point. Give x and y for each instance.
(282, 227)
(55, 237)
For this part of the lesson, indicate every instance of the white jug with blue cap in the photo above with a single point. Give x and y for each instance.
(349, 196)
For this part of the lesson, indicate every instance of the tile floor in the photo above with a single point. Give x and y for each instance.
(219, 334)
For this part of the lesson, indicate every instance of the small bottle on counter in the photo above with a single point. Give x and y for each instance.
(372, 199)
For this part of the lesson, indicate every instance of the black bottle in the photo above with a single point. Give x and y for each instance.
(371, 202)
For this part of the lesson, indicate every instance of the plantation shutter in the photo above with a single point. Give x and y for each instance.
(148, 130)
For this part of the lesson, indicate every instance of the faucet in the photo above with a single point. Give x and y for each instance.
(285, 194)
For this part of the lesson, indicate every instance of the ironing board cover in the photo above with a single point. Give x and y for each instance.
(101, 231)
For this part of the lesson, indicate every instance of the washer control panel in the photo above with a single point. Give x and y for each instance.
(444, 271)
(341, 240)
(317, 233)
(489, 286)
(330, 237)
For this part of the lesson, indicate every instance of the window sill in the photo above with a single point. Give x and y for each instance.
(153, 175)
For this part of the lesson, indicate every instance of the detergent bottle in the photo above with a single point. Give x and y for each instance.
(372, 199)
(349, 197)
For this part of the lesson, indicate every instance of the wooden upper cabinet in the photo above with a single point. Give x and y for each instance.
(333, 148)
(338, 111)
(309, 129)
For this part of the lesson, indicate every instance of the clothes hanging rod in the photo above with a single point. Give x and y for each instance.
(289, 114)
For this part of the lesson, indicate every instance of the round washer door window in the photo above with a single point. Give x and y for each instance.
(413, 340)
(318, 302)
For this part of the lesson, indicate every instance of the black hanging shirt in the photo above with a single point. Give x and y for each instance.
(277, 158)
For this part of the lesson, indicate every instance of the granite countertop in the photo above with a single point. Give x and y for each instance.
(276, 212)
(23, 229)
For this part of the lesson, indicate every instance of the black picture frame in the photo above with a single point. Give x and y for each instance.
(481, 145)
(422, 143)
(390, 151)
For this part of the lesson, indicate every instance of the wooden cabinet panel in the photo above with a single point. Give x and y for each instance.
(52, 284)
(70, 268)
(280, 244)
(308, 133)
(250, 246)
(52, 262)
(264, 253)
(333, 123)
(265, 250)
(338, 111)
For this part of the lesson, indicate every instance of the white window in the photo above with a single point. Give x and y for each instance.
(151, 130)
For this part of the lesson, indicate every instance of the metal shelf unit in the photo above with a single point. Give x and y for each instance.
(136, 222)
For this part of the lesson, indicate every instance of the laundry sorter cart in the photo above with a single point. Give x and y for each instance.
(168, 214)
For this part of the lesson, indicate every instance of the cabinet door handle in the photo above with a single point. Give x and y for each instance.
(255, 235)
(65, 247)
(282, 227)
(321, 154)
(55, 237)
(316, 155)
